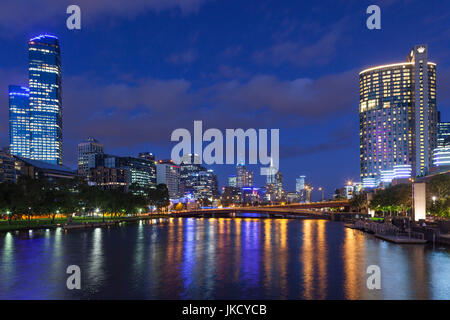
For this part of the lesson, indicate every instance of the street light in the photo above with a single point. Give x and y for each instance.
(434, 199)
(321, 189)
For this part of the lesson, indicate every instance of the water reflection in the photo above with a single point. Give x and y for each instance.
(240, 258)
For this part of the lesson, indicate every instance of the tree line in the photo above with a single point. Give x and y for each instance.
(33, 197)
(397, 200)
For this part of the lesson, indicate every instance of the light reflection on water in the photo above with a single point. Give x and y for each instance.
(240, 258)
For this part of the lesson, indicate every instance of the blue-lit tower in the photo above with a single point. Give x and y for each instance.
(19, 121)
(45, 99)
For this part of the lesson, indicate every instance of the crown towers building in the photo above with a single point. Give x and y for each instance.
(398, 118)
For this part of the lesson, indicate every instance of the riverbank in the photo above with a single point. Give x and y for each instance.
(76, 223)
(389, 232)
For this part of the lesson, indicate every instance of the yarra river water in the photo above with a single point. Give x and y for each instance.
(242, 258)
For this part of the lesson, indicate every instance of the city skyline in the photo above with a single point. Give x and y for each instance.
(219, 158)
(178, 85)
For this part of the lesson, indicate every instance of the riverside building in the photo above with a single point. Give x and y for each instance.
(398, 118)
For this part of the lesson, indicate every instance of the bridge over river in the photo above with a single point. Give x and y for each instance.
(305, 210)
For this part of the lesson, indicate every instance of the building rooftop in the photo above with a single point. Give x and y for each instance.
(45, 165)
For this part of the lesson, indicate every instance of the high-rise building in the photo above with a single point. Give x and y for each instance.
(189, 169)
(11, 168)
(168, 173)
(19, 121)
(240, 175)
(89, 152)
(398, 115)
(302, 189)
(441, 157)
(196, 180)
(232, 181)
(443, 135)
(244, 177)
(110, 178)
(231, 195)
(300, 183)
(249, 181)
(45, 99)
(141, 171)
(279, 184)
(206, 185)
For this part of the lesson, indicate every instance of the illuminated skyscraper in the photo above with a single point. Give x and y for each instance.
(300, 183)
(443, 137)
(45, 99)
(88, 153)
(168, 173)
(232, 181)
(19, 121)
(244, 177)
(398, 115)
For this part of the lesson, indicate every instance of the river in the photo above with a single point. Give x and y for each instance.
(230, 258)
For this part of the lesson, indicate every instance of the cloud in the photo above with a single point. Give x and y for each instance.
(19, 15)
(137, 111)
(229, 72)
(302, 97)
(315, 47)
(232, 51)
(186, 57)
(298, 53)
(148, 110)
(337, 139)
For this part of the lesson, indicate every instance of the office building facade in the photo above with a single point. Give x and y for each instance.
(443, 135)
(89, 152)
(232, 181)
(300, 183)
(244, 177)
(141, 171)
(196, 181)
(168, 173)
(19, 121)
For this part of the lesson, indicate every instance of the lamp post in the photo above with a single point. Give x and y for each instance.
(321, 189)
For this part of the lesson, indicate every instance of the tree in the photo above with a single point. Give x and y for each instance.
(29, 198)
(396, 198)
(359, 202)
(438, 195)
(180, 206)
(7, 192)
(159, 196)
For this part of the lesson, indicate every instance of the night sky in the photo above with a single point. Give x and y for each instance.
(137, 70)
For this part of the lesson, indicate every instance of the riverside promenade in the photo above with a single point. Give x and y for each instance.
(415, 234)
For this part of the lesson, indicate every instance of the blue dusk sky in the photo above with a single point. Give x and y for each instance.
(139, 69)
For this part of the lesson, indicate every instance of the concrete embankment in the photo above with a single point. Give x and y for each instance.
(391, 233)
